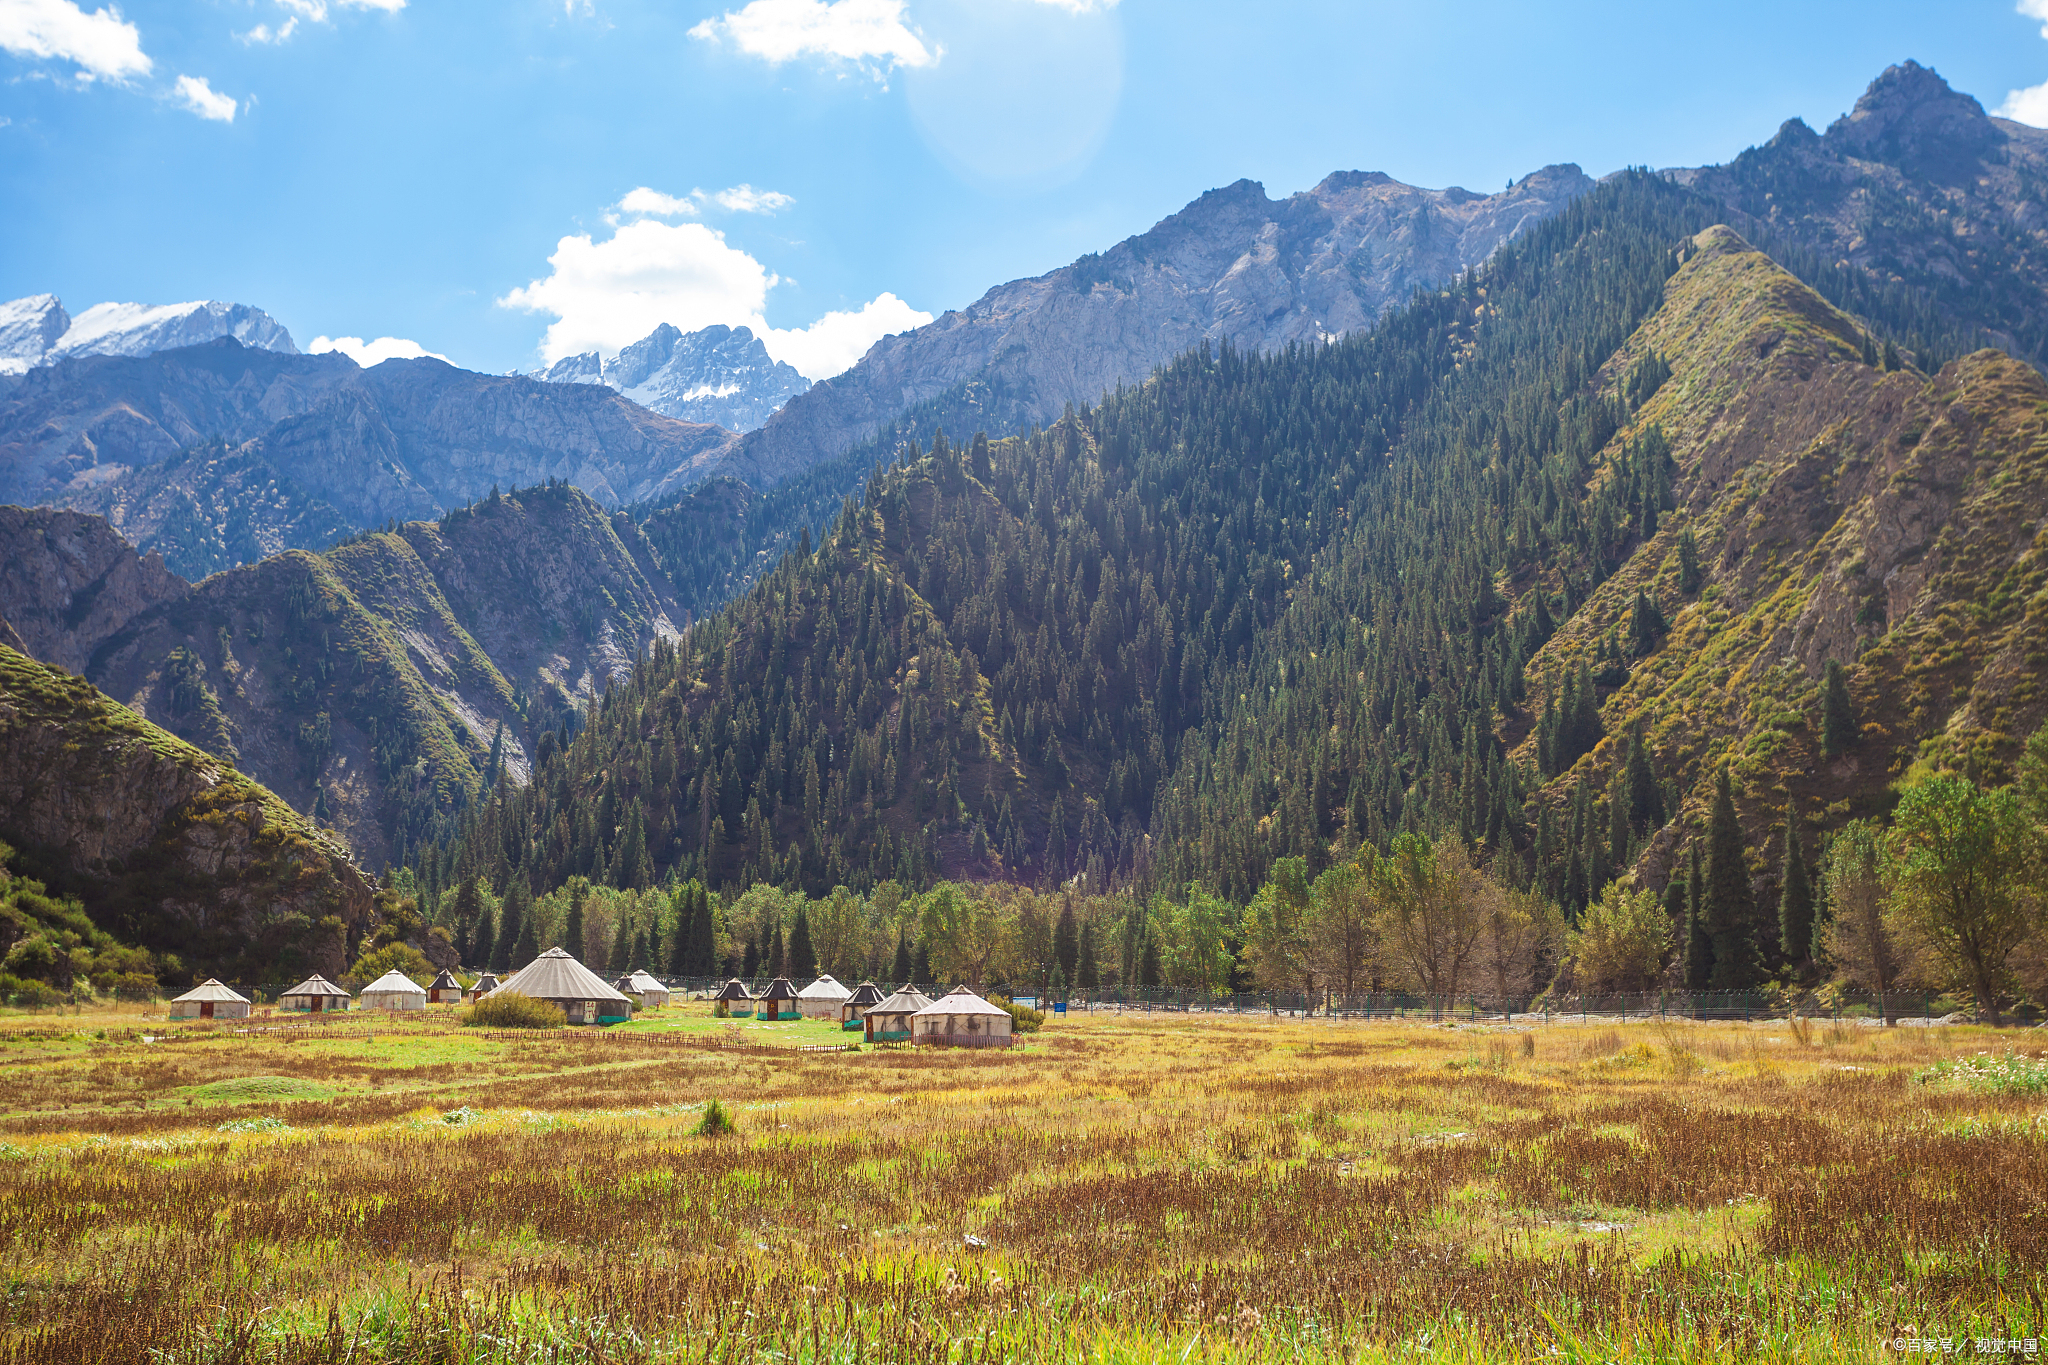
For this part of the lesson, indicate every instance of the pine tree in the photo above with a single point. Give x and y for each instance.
(1066, 943)
(1646, 626)
(1838, 729)
(682, 958)
(528, 947)
(642, 950)
(921, 966)
(1729, 904)
(469, 920)
(900, 970)
(1645, 795)
(1088, 976)
(750, 965)
(803, 959)
(572, 932)
(1699, 945)
(511, 924)
(483, 950)
(778, 960)
(1148, 969)
(1690, 575)
(1795, 899)
(622, 946)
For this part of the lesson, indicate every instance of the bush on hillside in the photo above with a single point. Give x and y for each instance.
(513, 1010)
(399, 957)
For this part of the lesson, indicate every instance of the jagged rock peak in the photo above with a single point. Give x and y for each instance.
(717, 374)
(37, 331)
(1911, 118)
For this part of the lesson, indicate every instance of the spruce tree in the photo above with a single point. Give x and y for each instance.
(803, 959)
(1088, 975)
(1730, 906)
(1838, 729)
(1148, 968)
(642, 947)
(469, 920)
(682, 958)
(1690, 575)
(921, 966)
(1795, 899)
(483, 951)
(1066, 944)
(528, 947)
(1699, 948)
(1645, 795)
(750, 965)
(622, 945)
(900, 969)
(572, 931)
(778, 959)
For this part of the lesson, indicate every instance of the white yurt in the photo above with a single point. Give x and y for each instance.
(210, 1000)
(315, 995)
(583, 995)
(482, 987)
(961, 1019)
(393, 991)
(642, 989)
(821, 999)
(890, 1020)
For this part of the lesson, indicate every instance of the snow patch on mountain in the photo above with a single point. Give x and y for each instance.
(721, 375)
(37, 331)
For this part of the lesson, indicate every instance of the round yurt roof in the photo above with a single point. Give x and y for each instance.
(824, 988)
(316, 984)
(866, 993)
(963, 1001)
(780, 988)
(487, 981)
(394, 982)
(643, 982)
(734, 989)
(909, 1000)
(554, 975)
(211, 989)
(445, 982)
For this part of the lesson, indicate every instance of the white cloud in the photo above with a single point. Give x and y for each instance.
(869, 33)
(2029, 105)
(606, 295)
(202, 99)
(832, 343)
(2036, 9)
(313, 12)
(368, 353)
(747, 199)
(102, 44)
(644, 200)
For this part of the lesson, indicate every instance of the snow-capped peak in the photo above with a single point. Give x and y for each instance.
(37, 330)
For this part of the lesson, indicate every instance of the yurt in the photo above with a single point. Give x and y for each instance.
(962, 1019)
(821, 999)
(446, 990)
(778, 1001)
(485, 984)
(737, 999)
(393, 991)
(210, 1000)
(582, 993)
(315, 995)
(642, 989)
(890, 1020)
(865, 996)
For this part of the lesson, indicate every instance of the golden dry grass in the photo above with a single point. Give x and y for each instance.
(1172, 1187)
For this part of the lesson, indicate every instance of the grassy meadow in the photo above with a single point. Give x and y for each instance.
(1167, 1187)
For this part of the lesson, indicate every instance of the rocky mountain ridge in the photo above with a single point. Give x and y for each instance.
(38, 331)
(718, 374)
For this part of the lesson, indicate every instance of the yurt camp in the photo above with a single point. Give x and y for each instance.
(737, 999)
(961, 1019)
(778, 1000)
(865, 996)
(484, 985)
(393, 991)
(889, 1021)
(821, 999)
(446, 990)
(210, 1000)
(559, 978)
(642, 989)
(315, 995)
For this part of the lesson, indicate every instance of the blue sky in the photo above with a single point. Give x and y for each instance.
(504, 182)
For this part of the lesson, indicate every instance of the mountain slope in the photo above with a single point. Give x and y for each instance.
(1232, 266)
(366, 685)
(1915, 185)
(220, 453)
(169, 848)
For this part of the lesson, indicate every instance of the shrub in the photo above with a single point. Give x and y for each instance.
(717, 1121)
(2010, 1074)
(1023, 1018)
(721, 1010)
(400, 957)
(512, 1010)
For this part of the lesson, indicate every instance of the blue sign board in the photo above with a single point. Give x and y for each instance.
(1059, 1007)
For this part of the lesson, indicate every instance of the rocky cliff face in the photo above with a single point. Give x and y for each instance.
(368, 685)
(720, 375)
(221, 453)
(1234, 266)
(1888, 520)
(168, 847)
(1918, 186)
